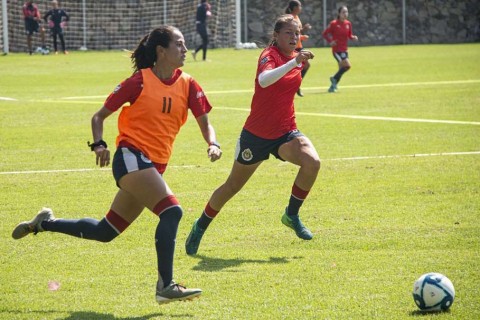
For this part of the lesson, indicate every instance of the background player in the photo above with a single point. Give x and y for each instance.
(56, 21)
(337, 34)
(295, 8)
(32, 18)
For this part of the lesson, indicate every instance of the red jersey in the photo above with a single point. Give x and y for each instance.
(156, 112)
(30, 12)
(272, 112)
(341, 32)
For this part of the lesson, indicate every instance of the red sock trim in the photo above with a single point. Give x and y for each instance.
(117, 222)
(299, 193)
(209, 212)
(164, 204)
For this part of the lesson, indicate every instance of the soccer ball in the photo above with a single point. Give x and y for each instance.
(433, 292)
(43, 51)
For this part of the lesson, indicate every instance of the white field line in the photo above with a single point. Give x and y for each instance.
(417, 155)
(397, 84)
(315, 114)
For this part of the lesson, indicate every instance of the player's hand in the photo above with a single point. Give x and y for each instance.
(102, 156)
(355, 38)
(304, 55)
(333, 43)
(214, 153)
(307, 27)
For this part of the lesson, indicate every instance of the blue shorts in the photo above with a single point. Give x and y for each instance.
(340, 56)
(252, 149)
(128, 159)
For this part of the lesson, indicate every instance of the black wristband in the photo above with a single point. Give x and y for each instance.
(216, 144)
(97, 144)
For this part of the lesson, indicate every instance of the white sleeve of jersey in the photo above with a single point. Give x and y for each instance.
(269, 77)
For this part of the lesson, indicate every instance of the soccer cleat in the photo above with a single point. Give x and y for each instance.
(333, 87)
(294, 223)
(33, 226)
(176, 292)
(299, 92)
(194, 238)
(194, 55)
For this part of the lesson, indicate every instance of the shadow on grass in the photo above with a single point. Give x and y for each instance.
(90, 315)
(209, 264)
(420, 313)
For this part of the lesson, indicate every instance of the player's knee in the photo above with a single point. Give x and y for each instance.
(168, 206)
(111, 226)
(314, 165)
(106, 232)
(174, 213)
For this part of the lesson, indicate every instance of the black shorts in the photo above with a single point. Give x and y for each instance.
(340, 56)
(31, 26)
(252, 149)
(126, 160)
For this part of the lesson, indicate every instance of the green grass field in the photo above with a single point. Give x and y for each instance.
(398, 194)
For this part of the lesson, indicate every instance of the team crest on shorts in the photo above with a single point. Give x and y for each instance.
(145, 159)
(247, 155)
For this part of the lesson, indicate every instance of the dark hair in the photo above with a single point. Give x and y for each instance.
(145, 55)
(292, 5)
(340, 10)
(279, 24)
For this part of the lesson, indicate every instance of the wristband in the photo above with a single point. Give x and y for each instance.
(97, 144)
(216, 144)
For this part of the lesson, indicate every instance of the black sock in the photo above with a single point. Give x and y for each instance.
(204, 221)
(165, 236)
(304, 72)
(339, 74)
(86, 228)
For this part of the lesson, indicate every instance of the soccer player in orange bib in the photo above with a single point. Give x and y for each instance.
(270, 129)
(337, 34)
(158, 96)
(295, 8)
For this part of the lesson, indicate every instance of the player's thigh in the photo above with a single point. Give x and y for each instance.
(127, 206)
(146, 185)
(299, 151)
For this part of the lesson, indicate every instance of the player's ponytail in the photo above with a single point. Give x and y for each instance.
(145, 55)
(292, 5)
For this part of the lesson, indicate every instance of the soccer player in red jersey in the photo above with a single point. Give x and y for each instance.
(270, 129)
(32, 18)
(295, 8)
(158, 96)
(337, 34)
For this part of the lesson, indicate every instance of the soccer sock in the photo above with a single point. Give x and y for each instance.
(207, 216)
(104, 230)
(170, 213)
(339, 74)
(296, 200)
(304, 72)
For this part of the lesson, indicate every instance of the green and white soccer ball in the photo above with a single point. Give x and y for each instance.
(433, 292)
